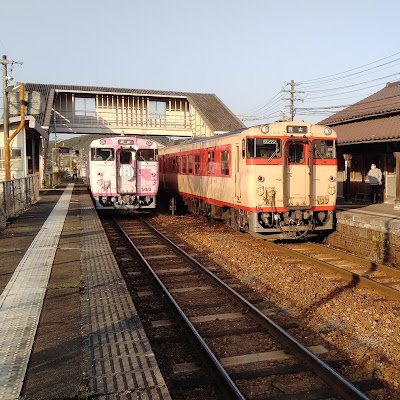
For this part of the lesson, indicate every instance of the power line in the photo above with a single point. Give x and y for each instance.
(333, 90)
(352, 69)
(353, 85)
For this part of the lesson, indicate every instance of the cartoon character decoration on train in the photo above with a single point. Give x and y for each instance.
(103, 185)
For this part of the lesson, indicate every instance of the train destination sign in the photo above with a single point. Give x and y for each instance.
(296, 129)
(126, 141)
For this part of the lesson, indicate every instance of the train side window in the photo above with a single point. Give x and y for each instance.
(102, 154)
(190, 164)
(324, 149)
(162, 164)
(211, 162)
(225, 162)
(197, 164)
(173, 164)
(184, 164)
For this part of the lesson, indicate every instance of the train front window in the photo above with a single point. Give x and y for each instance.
(296, 153)
(125, 157)
(101, 154)
(263, 148)
(147, 155)
(324, 149)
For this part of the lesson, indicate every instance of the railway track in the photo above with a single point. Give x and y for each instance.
(364, 273)
(241, 349)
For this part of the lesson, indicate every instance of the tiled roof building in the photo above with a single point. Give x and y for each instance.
(369, 132)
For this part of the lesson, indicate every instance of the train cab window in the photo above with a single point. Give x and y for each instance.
(225, 162)
(296, 153)
(324, 149)
(125, 157)
(101, 154)
(263, 148)
(197, 164)
(190, 164)
(146, 155)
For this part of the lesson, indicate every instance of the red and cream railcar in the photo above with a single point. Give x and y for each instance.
(278, 179)
(124, 173)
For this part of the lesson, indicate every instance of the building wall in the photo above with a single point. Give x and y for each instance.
(129, 114)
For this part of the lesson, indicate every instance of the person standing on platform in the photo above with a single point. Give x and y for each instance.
(75, 174)
(375, 181)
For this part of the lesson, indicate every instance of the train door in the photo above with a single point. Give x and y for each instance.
(126, 171)
(297, 174)
(238, 193)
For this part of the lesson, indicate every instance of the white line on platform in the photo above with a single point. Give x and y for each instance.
(22, 299)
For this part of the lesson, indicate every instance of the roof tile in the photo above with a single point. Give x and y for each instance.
(378, 129)
(385, 101)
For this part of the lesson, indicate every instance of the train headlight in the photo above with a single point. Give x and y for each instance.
(264, 128)
(328, 131)
(332, 179)
(102, 141)
(260, 178)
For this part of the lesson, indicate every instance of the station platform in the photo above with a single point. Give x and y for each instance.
(369, 230)
(68, 326)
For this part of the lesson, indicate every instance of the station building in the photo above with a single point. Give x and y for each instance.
(76, 110)
(369, 133)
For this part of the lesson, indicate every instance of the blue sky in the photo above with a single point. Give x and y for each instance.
(243, 51)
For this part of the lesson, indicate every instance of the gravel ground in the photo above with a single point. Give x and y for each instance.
(359, 322)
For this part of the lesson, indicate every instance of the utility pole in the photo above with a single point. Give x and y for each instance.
(6, 78)
(292, 98)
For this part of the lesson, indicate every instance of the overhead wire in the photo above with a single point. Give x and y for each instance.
(331, 88)
(350, 70)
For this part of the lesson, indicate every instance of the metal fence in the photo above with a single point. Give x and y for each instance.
(53, 179)
(17, 195)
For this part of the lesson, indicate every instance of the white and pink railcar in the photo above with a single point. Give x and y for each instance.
(124, 173)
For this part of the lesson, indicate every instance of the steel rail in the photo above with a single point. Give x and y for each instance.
(361, 280)
(229, 386)
(371, 265)
(330, 376)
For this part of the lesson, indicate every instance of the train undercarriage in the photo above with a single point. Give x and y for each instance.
(296, 223)
(125, 202)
